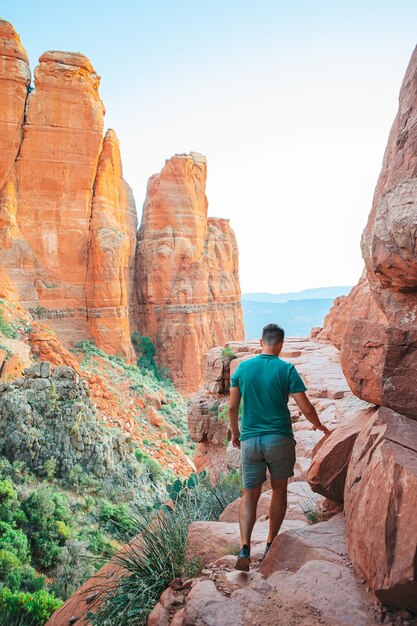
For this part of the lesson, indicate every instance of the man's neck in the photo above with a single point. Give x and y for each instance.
(268, 351)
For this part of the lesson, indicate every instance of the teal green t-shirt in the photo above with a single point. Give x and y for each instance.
(265, 383)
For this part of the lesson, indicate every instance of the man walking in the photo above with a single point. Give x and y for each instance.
(264, 384)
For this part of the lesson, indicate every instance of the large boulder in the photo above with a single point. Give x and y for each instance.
(331, 458)
(380, 495)
(379, 347)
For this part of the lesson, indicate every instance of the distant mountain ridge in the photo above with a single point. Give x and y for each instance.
(306, 294)
(297, 312)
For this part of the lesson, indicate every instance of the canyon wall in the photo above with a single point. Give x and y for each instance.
(376, 325)
(375, 328)
(69, 247)
(187, 268)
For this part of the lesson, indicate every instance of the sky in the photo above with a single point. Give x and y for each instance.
(290, 101)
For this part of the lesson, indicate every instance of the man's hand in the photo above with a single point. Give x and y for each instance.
(309, 412)
(323, 429)
(236, 440)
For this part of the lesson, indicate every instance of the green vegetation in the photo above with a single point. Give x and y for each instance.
(159, 554)
(227, 354)
(145, 350)
(7, 328)
(311, 509)
(142, 381)
(155, 470)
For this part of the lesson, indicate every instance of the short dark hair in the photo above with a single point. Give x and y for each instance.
(272, 334)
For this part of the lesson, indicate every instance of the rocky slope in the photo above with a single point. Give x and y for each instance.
(68, 224)
(198, 300)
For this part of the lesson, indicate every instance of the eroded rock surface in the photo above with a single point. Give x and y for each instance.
(68, 225)
(380, 494)
(187, 265)
(379, 344)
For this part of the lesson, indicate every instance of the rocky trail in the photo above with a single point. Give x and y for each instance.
(307, 578)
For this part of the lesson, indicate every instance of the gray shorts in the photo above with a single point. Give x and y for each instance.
(274, 451)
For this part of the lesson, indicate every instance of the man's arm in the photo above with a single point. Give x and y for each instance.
(234, 403)
(309, 411)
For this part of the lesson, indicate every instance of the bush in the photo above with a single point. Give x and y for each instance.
(26, 609)
(117, 520)
(9, 501)
(48, 524)
(158, 554)
(227, 354)
(15, 541)
(145, 350)
(155, 470)
(18, 471)
(6, 328)
(75, 564)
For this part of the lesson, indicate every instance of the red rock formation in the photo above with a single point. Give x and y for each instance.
(67, 218)
(381, 523)
(379, 355)
(68, 224)
(113, 227)
(14, 81)
(187, 268)
(328, 469)
(55, 172)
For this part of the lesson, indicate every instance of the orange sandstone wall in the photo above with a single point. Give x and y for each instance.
(379, 344)
(187, 271)
(68, 224)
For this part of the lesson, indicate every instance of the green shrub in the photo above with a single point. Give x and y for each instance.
(155, 470)
(151, 563)
(50, 468)
(26, 609)
(10, 570)
(15, 541)
(146, 352)
(6, 328)
(74, 566)
(9, 501)
(48, 524)
(228, 354)
(159, 553)
(117, 520)
(18, 471)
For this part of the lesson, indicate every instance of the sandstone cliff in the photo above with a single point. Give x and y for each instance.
(371, 464)
(67, 218)
(68, 225)
(187, 267)
(376, 326)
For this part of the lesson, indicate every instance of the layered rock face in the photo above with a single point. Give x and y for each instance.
(68, 225)
(111, 253)
(67, 218)
(14, 81)
(370, 464)
(187, 267)
(376, 326)
(380, 486)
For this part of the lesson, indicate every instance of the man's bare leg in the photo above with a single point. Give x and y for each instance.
(277, 507)
(247, 514)
(247, 519)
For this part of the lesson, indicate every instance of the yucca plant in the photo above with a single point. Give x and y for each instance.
(158, 554)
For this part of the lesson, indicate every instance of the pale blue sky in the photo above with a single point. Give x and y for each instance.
(290, 101)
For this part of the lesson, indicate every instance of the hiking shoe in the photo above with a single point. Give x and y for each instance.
(243, 560)
(267, 547)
